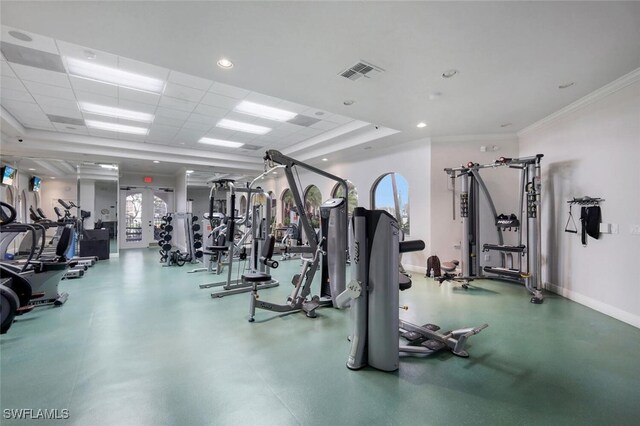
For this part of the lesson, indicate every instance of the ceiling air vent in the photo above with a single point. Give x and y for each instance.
(360, 69)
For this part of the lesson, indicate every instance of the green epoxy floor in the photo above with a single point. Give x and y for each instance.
(139, 344)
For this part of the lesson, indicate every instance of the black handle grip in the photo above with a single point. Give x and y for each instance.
(414, 245)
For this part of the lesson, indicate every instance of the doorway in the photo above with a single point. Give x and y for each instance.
(141, 211)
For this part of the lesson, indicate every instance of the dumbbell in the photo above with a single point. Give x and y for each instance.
(198, 254)
(169, 219)
(197, 236)
(166, 247)
(197, 245)
(195, 219)
(168, 228)
(167, 238)
(195, 227)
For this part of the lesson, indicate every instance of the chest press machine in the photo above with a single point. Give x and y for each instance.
(331, 247)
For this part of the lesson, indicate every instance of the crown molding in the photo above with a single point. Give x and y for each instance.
(488, 137)
(601, 93)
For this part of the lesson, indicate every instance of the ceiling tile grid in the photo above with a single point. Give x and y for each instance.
(188, 108)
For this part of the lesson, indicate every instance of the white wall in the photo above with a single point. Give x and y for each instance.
(87, 201)
(137, 179)
(199, 197)
(412, 160)
(53, 189)
(106, 198)
(593, 150)
(502, 183)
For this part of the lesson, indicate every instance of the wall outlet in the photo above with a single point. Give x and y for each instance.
(483, 148)
(456, 246)
(635, 229)
(487, 257)
(605, 228)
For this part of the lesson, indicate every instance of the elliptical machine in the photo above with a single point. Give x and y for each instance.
(373, 295)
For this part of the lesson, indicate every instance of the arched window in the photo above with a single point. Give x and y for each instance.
(243, 206)
(390, 192)
(312, 202)
(9, 196)
(338, 192)
(274, 204)
(289, 213)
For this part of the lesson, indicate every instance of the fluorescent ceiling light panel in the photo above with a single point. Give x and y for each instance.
(115, 112)
(243, 127)
(109, 166)
(263, 111)
(112, 127)
(220, 142)
(108, 111)
(114, 76)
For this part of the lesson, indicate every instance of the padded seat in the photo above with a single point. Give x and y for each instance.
(256, 277)
(404, 281)
(214, 249)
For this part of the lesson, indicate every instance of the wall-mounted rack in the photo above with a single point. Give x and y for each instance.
(586, 201)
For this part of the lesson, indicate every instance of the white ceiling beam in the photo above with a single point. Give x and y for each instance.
(326, 136)
(120, 147)
(10, 126)
(50, 168)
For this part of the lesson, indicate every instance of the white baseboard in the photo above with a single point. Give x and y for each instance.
(415, 268)
(596, 305)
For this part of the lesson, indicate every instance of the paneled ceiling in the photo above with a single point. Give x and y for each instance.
(511, 59)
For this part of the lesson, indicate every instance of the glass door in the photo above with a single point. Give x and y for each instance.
(136, 218)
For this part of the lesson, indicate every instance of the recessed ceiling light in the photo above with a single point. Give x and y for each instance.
(225, 63)
(89, 54)
(156, 161)
(109, 166)
(243, 127)
(325, 159)
(113, 127)
(565, 85)
(263, 111)
(108, 111)
(349, 102)
(274, 173)
(220, 142)
(505, 125)
(113, 76)
(20, 36)
(189, 172)
(32, 170)
(449, 73)
(421, 124)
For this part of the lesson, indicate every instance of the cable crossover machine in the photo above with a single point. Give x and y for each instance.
(520, 262)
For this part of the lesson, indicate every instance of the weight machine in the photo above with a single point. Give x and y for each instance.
(373, 295)
(526, 268)
(257, 221)
(331, 246)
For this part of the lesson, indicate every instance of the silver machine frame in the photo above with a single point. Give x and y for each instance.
(257, 224)
(529, 268)
(373, 294)
(331, 247)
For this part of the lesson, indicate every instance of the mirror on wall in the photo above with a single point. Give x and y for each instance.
(98, 200)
